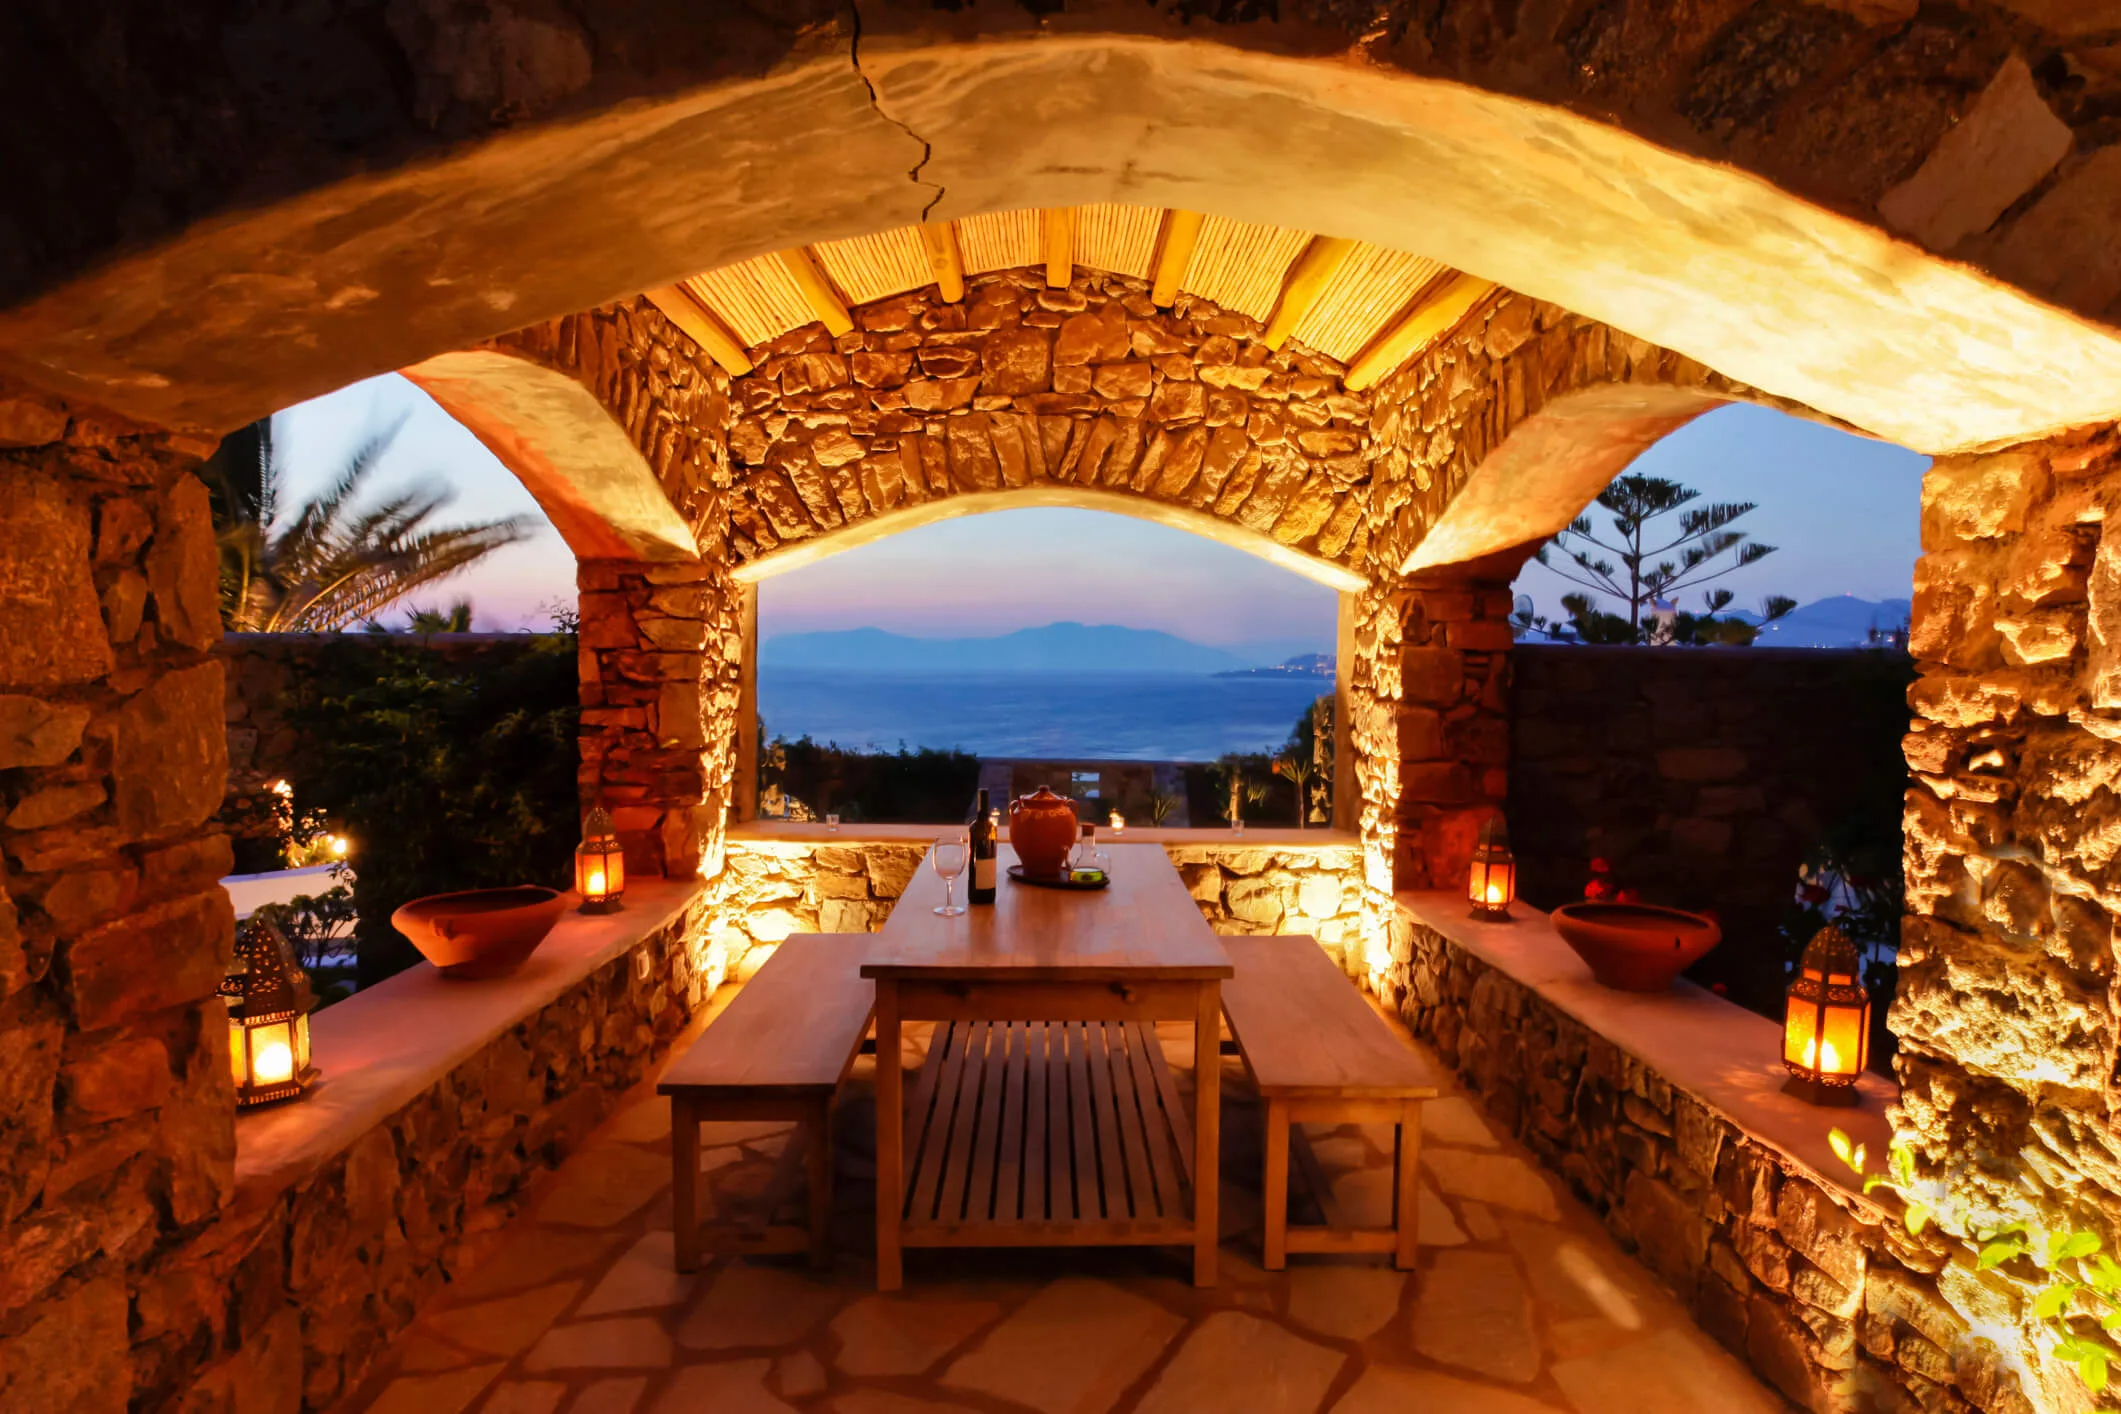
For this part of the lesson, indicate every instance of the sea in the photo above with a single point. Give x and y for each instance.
(1089, 716)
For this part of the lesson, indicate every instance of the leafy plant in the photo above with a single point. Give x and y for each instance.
(1162, 805)
(806, 779)
(318, 927)
(1297, 768)
(1704, 537)
(331, 562)
(445, 775)
(2079, 1304)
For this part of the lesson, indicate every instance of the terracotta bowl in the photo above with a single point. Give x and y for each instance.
(1635, 947)
(480, 932)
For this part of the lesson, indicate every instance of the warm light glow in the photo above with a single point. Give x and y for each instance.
(272, 1056)
(1495, 894)
(1118, 823)
(236, 1058)
(282, 789)
(595, 887)
(1811, 1058)
(339, 846)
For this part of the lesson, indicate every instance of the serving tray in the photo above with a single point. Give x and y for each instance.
(1047, 881)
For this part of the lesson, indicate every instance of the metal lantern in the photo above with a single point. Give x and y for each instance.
(268, 1000)
(1827, 1028)
(1492, 886)
(599, 865)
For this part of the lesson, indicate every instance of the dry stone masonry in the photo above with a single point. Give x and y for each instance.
(1019, 385)
(1824, 1294)
(286, 1302)
(116, 1114)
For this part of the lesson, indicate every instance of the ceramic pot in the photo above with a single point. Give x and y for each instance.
(480, 932)
(1635, 947)
(1042, 829)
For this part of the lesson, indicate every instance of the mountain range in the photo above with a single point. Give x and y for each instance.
(1053, 648)
(1843, 621)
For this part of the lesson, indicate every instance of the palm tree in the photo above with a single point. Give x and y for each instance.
(331, 563)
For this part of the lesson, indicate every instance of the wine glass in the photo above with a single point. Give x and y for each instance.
(948, 856)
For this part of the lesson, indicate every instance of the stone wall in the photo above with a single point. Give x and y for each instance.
(2009, 1010)
(1703, 777)
(1020, 385)
(285, 1302)
(1824, 1294)
(774, 887)
(116, 1138)
(659, 645)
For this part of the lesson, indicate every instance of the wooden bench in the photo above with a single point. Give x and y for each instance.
(779, 1051)
(1319, 1054)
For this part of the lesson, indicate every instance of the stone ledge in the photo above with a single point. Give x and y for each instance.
(381, 1049)
(1262, 837)
(1727, 1058)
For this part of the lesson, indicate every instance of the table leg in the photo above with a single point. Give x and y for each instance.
(820, 1163)
(890, 1138)
(1406, 1159)
(685, 1182)
(1207, 1131)
(1274, 1188)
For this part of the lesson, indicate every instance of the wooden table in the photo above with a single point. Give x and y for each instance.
(1045, 1114)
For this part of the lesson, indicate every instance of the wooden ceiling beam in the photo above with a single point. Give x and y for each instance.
(1306, 281)
(682, 308)
(939, 239)
(816, 290)
(1057, 226)
(1434, 313)
(1174, 252)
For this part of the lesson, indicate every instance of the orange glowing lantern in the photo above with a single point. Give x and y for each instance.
(268, 999)
(1827, 1028)
(1492, 886)
(599, 865)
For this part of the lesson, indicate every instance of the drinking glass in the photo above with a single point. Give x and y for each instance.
(832, 824)
(948, 856)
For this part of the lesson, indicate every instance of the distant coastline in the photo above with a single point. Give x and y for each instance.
(1303, 665)
(1065, 647)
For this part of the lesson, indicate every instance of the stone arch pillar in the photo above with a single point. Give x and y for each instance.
(116, 1106)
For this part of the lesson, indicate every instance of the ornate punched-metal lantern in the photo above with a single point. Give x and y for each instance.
(268, 1000)
(1492, 886)
(1827, 1027)
(599, 865)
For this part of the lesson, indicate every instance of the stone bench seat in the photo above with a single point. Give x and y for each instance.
(779, 1051)
(1318, 1054)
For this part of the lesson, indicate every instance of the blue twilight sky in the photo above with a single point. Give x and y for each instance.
(1841, 510)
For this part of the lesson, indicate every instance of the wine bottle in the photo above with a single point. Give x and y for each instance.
(983, 839)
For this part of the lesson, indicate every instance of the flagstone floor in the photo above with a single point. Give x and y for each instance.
(1522, 1304)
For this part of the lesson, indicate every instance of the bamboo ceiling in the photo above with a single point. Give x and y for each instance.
(1363, 305)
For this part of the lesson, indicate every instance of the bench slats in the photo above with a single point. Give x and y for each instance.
(1305, 1031)
(1023, 1133)
(792, 1030)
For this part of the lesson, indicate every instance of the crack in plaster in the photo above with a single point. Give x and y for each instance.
(913, 173)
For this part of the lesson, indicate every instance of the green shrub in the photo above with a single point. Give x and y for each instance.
(444, 775)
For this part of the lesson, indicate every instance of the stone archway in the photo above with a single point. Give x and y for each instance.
(1738, 222)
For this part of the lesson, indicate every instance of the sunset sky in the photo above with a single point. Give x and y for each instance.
(1841, 510)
